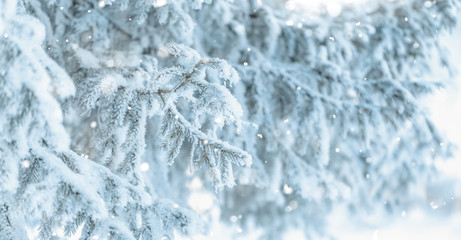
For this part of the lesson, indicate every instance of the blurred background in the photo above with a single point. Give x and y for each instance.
(441, 219)
(433, 222)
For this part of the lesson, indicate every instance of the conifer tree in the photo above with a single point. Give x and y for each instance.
(109, 107)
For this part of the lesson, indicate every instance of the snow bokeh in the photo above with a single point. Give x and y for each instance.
(445, 109)
(159, 136)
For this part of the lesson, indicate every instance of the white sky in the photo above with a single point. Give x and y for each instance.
(446, 105)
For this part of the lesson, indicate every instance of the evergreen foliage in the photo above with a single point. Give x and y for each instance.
(287, 112)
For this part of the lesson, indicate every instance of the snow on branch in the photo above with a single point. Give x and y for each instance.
(124, 98)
